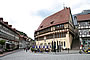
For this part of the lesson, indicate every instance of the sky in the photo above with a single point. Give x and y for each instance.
(27, 15)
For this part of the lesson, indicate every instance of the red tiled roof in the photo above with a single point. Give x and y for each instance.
(60, 17)
(83, 17)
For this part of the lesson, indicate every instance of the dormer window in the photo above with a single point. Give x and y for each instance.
(41, 26)
(52, 22)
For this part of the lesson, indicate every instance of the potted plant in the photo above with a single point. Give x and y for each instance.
(32, 49)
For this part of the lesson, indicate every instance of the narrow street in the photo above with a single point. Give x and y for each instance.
(23, 55)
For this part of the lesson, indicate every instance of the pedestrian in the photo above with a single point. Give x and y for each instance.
(60, 47)
(68, 50)
(80, 50)
(26, 49)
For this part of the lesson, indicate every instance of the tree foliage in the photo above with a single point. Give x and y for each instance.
(22, 33)
(2, 42)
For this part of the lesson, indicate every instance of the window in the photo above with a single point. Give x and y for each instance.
(84, 32)
(62, 26)
(52, 22)
(64, 43)
(89, 22)
(84, 24)
(58, 27)
(41, 43)
(41, 38)
(41, 26)
(60, 35)
(57, 35)
(45, 30)
(64, 34)
(45, 44)
(48, 43)
(49, 36)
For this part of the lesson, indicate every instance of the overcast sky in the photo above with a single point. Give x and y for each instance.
(26, 15)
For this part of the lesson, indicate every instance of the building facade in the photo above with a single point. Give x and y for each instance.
(8, 34)
(84, 28)
(56, 31)
(24, 41)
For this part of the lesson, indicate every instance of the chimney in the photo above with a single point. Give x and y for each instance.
(65, 7)
(6, 23)
(1, 19)
(10, 25)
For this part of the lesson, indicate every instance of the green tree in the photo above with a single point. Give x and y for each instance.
(2, 42)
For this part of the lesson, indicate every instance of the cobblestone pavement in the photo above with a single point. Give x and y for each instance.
(22, 55)
(7, 53)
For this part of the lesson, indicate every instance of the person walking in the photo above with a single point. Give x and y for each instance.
(26, 49)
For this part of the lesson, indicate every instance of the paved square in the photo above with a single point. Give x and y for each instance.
(22, 55)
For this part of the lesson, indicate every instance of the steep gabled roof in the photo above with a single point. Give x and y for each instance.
(60, 17)
(83, 17)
